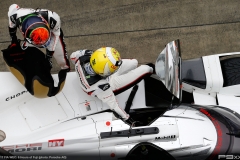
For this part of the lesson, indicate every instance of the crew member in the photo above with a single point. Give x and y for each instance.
(40, 28)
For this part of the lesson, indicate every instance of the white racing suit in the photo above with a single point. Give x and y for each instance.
(57, 47)
(104, 88)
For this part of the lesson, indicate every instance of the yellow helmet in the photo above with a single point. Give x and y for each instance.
(105, 61)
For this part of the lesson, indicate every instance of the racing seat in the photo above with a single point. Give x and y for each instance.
(32, 70)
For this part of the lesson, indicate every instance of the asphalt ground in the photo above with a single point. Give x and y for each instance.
(140, 28)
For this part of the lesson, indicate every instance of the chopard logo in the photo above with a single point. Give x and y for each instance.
(15, 96)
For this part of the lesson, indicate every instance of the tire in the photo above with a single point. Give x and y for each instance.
(231, 71)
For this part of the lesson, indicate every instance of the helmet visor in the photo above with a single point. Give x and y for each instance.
(40, 37)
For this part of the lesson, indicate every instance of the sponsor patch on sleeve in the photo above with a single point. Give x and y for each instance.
(104, 87)
(13, 18)
(53, 22)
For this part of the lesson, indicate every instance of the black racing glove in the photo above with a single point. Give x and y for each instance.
(14, 40)
(12, 33)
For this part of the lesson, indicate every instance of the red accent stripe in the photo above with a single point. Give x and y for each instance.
(12, 45)
(90, 93)
(217, 148)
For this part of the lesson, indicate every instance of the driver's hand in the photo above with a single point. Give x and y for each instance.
(15, 42)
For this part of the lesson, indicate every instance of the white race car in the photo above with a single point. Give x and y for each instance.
(187, 110)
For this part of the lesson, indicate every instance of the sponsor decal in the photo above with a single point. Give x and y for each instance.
(17, 59)
(53, 22)
(56, 143)
(104, 87)
(15, 96)
(13, 18)
(23, 147)
(116, 53)
(108, 96)
(165, 137)
(17, 54)
(93, 62)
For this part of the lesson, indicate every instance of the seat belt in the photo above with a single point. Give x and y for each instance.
(130, 99)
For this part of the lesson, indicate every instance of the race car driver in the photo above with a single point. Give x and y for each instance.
(103, 73)
(40, 28)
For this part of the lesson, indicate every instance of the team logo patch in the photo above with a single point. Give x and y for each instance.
(88, 52)
(53, 22)
(104, 87)
(13, 18)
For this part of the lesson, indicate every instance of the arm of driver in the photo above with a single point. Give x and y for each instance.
(55, 32)
(11, 11)
(75, 55)
(109, 98)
